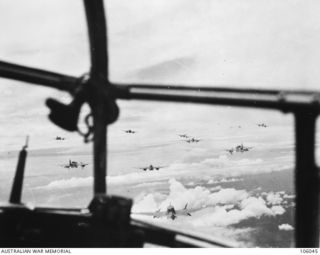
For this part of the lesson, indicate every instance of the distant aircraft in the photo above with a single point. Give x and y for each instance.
(60, 138)
(239, 148)
(151, 168)
(74, 164)
(183, 135)
(130, 131)
(193, 140)
(262, 125)
(171, 213)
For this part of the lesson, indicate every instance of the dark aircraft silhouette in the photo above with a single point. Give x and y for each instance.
(74, 164)
(130, 131)
(239, 148)
(262, 125)
(60, 138)
(151, 168)
(172, 213)
(193, 140)
(183, 135)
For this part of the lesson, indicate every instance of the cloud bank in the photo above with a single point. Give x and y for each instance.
(219, 208)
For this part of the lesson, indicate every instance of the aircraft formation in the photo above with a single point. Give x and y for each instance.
(171, 212)
(188, 139)
(241, 148)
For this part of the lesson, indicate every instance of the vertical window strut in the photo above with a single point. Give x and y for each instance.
(98, 76)
(306, 181)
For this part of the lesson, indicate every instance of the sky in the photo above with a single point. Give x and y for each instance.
(263, 44)
(233, 43)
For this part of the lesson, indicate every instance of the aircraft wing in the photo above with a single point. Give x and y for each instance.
(183, 213)
(65, 166)
(158, 167)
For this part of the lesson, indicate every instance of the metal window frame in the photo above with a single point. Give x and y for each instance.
(305, 106)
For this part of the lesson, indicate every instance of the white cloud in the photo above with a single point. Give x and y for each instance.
(147, 204)
(285, 227)
(255, 207)
(222, 208)
(224, 180)
(278, 210)
(227, 196)
(216, 188)
(274, 198)
(73, 182)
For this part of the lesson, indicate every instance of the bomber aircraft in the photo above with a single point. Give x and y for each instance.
(262, 125)
(130, 131)
(151, 168)
(59, 138)
(193, 140)
(74, 164)
(239, 148)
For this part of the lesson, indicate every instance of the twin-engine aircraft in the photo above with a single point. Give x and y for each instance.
(193, 140)
(239, 148)
(169, 213)
(172, 213)
(262, 125)
(130, 131)
(74, 164)
(59, 138)
(151, 168)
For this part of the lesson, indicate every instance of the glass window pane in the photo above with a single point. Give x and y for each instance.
(49, 34)
(49, 181)
(235, 177)
(257, 44)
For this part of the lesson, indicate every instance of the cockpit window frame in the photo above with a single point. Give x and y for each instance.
(305, 106)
